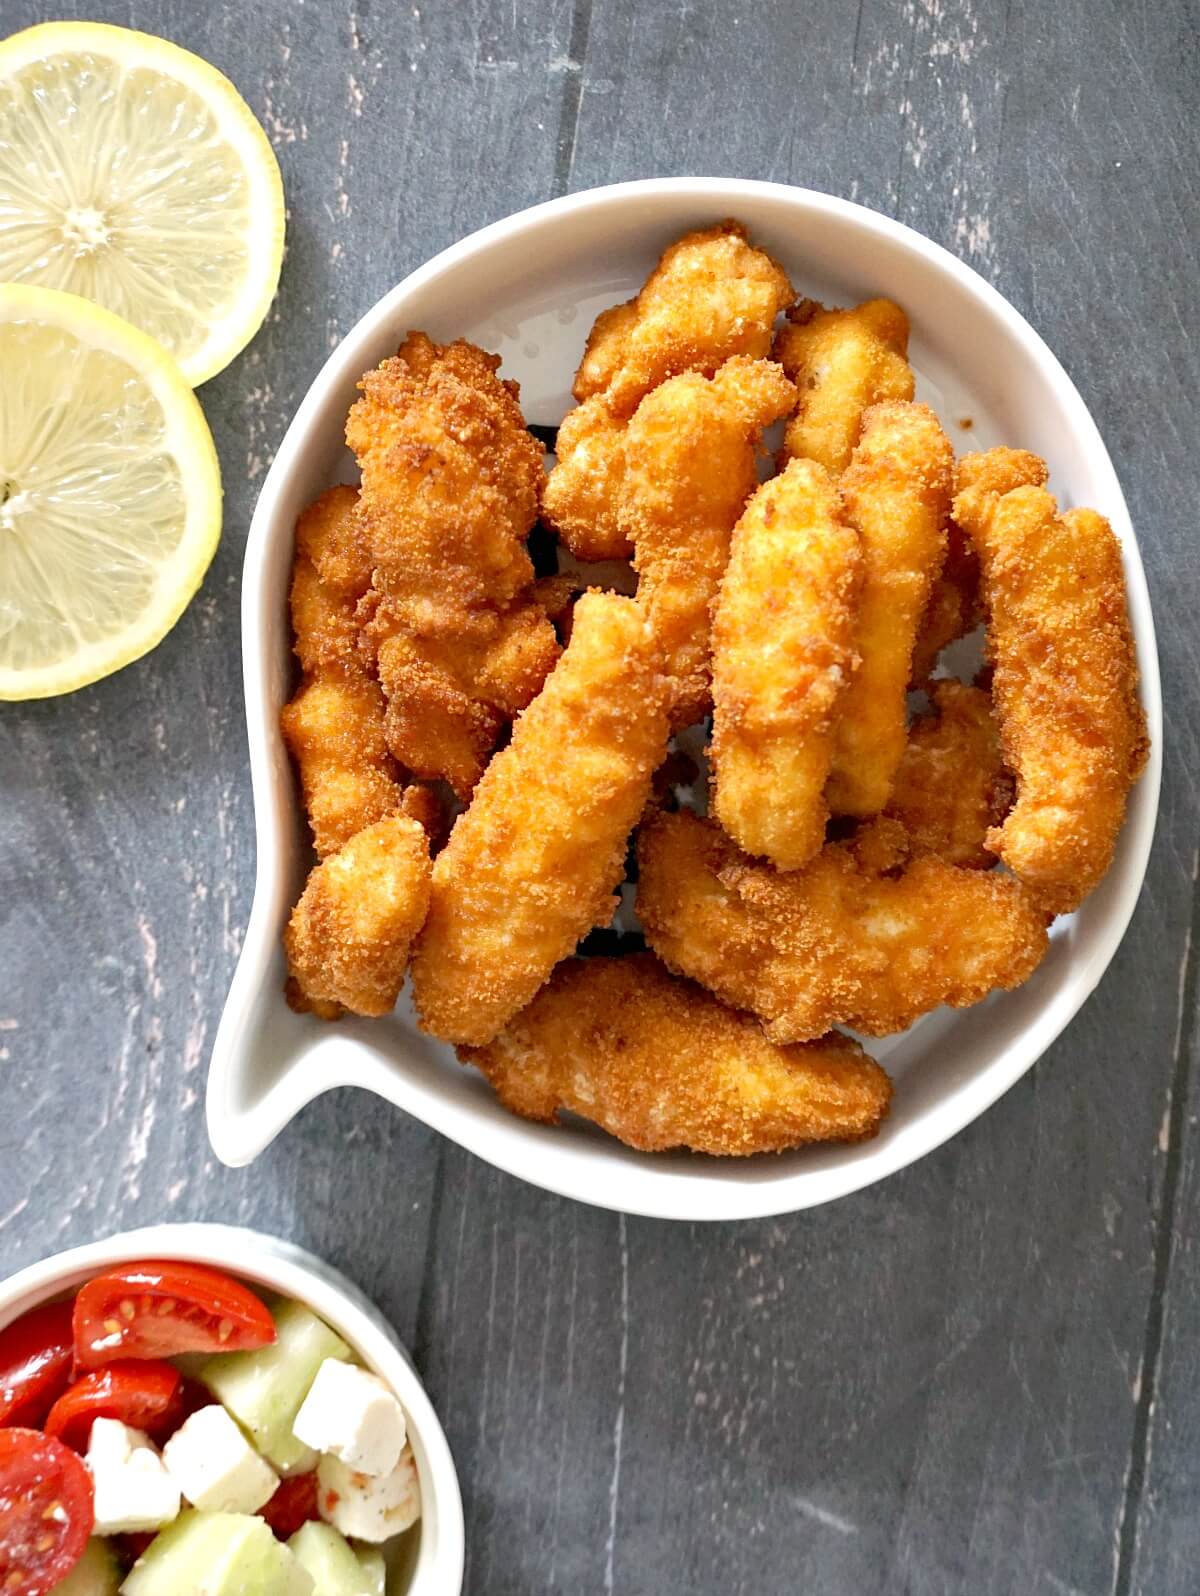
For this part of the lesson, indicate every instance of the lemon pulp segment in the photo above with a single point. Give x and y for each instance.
(134, 174)
(110, 496)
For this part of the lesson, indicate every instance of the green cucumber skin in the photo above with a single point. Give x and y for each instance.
(216, 1554)
(263, 1390)
(329, 1558)
(95, 1574)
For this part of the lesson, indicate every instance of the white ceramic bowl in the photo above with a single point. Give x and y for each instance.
(529, 288)
(431, 1558)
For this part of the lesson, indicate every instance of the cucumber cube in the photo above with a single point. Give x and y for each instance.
(264, 1389)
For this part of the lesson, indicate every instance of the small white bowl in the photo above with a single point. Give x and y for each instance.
(431, 1562)
(529, 288)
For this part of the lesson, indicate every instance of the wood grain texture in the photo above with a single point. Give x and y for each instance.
(980, 1377)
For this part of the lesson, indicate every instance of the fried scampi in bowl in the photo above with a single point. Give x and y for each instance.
(478, 744)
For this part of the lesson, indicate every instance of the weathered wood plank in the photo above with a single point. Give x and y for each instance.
(128, 850)
(931, 1387)
(980, 1377)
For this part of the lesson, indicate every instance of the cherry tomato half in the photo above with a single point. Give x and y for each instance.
(155, 1310)
(140, 1392)
(294, 1503)
(35, 1363)
(46, 1512)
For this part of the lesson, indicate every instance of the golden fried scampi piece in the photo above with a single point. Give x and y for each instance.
(349, 936)
(582, 502)
(783, 651)
(951, 786)
(712, 295)
(450, 485)
(1064, 673)
(896, 492)
(954, 609)
(333, 728)
(831, 944)
(691, 453)
(842, 362)
(659, 1063)
(334, 724)
(449, 697)
(531, 865)
(450, 481)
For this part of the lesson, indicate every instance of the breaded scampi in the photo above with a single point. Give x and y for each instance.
(692, 448)
(896, 492)
(831, 944)
(955, 607)
(349, 936)
(842, 362)
(583, 498)
(451, 481)
(333, 728)
(532, 864)
(712, 295)
(334, 724)
(659, 1063)
(448, 699)
(951, 786)
(784, 626)
(331, 571)
(1064, 673)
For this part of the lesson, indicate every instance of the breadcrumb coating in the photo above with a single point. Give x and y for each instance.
(783, 652)
(334, 723)
(349, 936)
(583, 498)
(1064, 674)
(955, 606)
(831, 944)
(451, 481)
(711, 296)
(691, 464)
(951, 786)
(532, 864)
(896, 493)
(659, 1063)
(448, 699)
(842, 362)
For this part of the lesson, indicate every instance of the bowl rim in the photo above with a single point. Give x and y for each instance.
(237, 1136)
(283, 1266)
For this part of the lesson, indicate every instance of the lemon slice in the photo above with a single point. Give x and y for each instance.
(133, 173)
(110, 492)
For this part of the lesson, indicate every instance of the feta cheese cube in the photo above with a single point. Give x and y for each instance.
(368, 1507)
(352, 1414)
(133, 1490)
(215, 1466)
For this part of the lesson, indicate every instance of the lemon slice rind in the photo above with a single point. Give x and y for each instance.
(264, 240)
(186, 438)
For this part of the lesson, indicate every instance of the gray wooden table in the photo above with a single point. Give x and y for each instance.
(980, 1377)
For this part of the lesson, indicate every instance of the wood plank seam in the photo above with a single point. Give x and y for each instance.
(1163, 1253)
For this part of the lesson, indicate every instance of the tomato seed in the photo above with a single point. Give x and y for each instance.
(46, 1542)
(225, 1329)
(14, 1579)
(55, 1510)
(113, 1326)
(167, 1305)
(128, 1311)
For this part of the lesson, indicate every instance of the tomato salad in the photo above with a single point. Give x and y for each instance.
(166, 1429)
